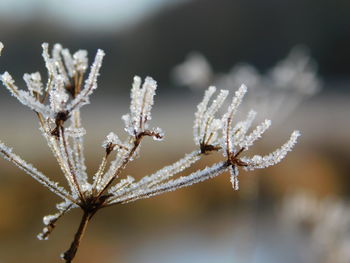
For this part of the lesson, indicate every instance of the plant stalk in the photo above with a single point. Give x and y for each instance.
(69, 255)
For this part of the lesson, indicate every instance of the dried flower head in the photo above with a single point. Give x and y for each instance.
(57, 105)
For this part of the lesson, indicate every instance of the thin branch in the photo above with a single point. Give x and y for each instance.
(70, 165)
(172, 185)
(30, 170)
(69, 255)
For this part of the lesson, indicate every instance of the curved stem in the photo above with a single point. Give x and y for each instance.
(69, 255)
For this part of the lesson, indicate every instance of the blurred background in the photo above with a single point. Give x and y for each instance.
(295, 58)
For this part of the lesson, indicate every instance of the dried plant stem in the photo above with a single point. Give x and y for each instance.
(125, 162)
(69, 255)
(66, 94)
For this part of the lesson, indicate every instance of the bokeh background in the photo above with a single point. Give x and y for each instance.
(208, 222)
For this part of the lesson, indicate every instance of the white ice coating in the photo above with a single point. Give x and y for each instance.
(234, 177)
(111, 138)
(258, 161)
(68, 61)
(50, 220)
(160, 176)
(7, 153)
(24, 97)
(90, 84)
(57, 105)
(81, 62)
(141, 105)
(58, 95)
(228, 118)
(172, 185)
(255, 134)
(241, 128)
(159, 134)
(206, 127)
(75, 132)
(34, 83)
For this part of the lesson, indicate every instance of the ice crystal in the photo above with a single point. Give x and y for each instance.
(34, 83)
(57, 104)
(111, 139)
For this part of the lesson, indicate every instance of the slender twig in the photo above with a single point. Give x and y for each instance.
(66, 97)
(70, 165)
(69, 255)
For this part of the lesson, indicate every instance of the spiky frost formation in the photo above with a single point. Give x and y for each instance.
(273, 158)
(57, 104)
(142, 99)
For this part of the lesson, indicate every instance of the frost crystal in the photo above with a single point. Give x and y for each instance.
(81, 61)
(34, 83)
(234, 178)
(111, 139)
(75, 132)
(90, 84)
(158, 134)
(275, 157)
(206, 127)
(57, 105)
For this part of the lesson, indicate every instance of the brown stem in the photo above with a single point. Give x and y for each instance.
(123, 165)
(69, 255)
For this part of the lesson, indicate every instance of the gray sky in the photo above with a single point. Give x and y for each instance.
(83, 14)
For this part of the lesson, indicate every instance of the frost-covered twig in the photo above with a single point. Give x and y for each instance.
(57, 105)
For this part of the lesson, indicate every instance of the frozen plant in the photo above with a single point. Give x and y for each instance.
(57, 105)
(276, 93)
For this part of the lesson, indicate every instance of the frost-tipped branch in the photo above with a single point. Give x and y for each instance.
(158, 177)
(206, 127)
(201, 109)
(90, 84)
(240, 130)
(66, 153)
(51, 220)
(172, 185)
(32, 171)
(228, 118)
(255, 134)
(111, 143)
(78, 147)
(24, 97)
(34, 84)
(54, 145)
(66, 96)
(234, 177)
(140, 106)
(57, 54)
(136, 125)
(124, 156)
(258, 161)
